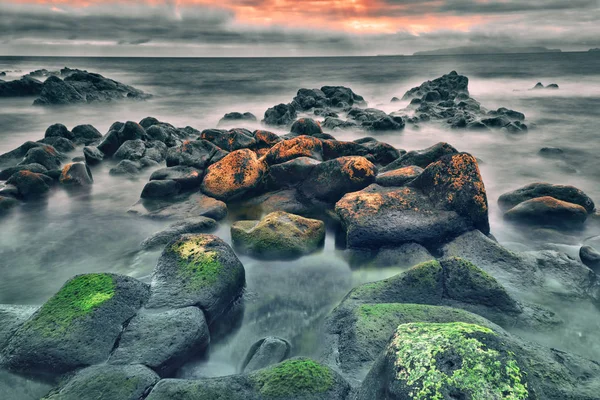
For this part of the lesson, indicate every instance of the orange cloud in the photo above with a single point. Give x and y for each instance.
(356, 16)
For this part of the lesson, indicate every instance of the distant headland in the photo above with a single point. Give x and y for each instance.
(464, 50)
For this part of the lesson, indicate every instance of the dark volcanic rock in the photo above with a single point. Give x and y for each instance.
(266, 352)
(160, 189)
(131, 150)
(590, 257)
(301, 146)
(330, 180)
(237, 116)
(398, 177)
(163, 340)
(30, 184)
(335, 149)
(421, 158)
(26, 86)
(194, 153)
(548, 211)
(127, 168)
(92, 155)
(78, 326)
(234, 139)
(85, 134)
(200, 270)
(14, 156)
(447, 87)
(560, 192)
(194, 205)
(189, 225)
(110, 382)
(7, 203)
(59, 130)
(59, 143)
(187, 177)
(293, 172)
(76, 174)
(110, 143)
(55, 91)
(340, 96)
(8, 172)
(281, 114)
(45, 155)
(337, 123)
(306, 126)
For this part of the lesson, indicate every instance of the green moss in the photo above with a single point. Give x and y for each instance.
(473, 270)
(76, 299)
(482, 373)
(293, 378)
(367, 290)
(198, 267)
(427, 273)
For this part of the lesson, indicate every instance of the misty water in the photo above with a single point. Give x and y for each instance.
(43, 245)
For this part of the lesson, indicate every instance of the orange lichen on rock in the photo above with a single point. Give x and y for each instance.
(64, 175)
(301, 146)
(235, 174)
(50, 150)
(368, 202)
(357, 168)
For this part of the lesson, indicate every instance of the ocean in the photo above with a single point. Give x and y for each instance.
(41, 246)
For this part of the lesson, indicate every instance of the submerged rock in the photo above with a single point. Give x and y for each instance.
(566, 193)
(278, 235)
(8, 172)
(197, 270)
(77, 327)
(190, 206)
(189, 225)
(590, 257)
(30, 185)
(548, 211)
(160, 189)
(188, 177)
(237, 116)
(127, 382)
(76, 174)
(266, 352)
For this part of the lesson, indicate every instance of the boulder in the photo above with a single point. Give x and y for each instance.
(281, 114)
(231, 140)
(237, 116)
(156, 151)
(77, 327)
(287, 200)
(11, 318)
(131, 131)
(335, 149)
(292, 172)
(335, 123)
(59, 143)
(127, 168)
(197, 270)
(160, 189)
(307, 99)
(147, 122)
(162, 340)
(7, 203)
(30, 185)
(301, 146)
(194, 205)
(189, 225)
(382, 153)
(548, 211)
(85, 134)
(76, 174)
(13, 157)
(26, 86)
(551, 152)
(194, 153)
(398, 177)
(448, 87)
(45, 155)
(330, 180)
(8, 172)
(421, 158)
(306, 126)
(566, 193)
(265, 139)
(110, 143)
(279, 235)
(55, 91)
(188, 177)
(590, 257)
(123, 382)
(131, 150)
(446, 360)
(267, 351)
(236, 174)
(340, 96)
(59, 130)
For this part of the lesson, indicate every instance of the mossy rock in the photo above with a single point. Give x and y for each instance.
(278, 235)
(234, 387)
(11, 318)
(364, 331)
(107, 382)
(76, 327)
(444, 361)
(200, 270)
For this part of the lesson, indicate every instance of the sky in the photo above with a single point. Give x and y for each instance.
(224, 28)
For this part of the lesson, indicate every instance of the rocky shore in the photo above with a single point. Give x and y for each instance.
(457, 324)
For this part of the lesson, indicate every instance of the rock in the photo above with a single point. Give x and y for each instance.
(551, 152)
(398, 177)
(126, 382)
(194, 205)
(335, 149)
(7, 203)
(30, 185)
(16, 155)
(281, 114)
(85, 134)
(11, 318)
(234, 139)
(45, 155)
(286, 200)
(237, 116)
(421, 158)
(548, 211)
(110, 143)
(334, 123)
(26, 86)
(376, 216)
(194, 153)
(403, 256)
(131, 131)
(325, 112)
(376, 120)
(59, 143)
(340, 95)
(538, 85)
(189, 225)
(301, 146)
(199, 270)
(267, 351)
(552, 86)
(163, 340)
(265, 139)
(279, 235)
(446, 360)
(148, 122)
(294, 379)
(566, 193)
(236, 174)
(59, 130)
(454, 183)
(307, 99)
(293, 172)
(382, 153)
(8, 172)
(76, 174)
(395, 100)
(160, 189)
(330, 180)
(126, 167)
(590, 257)
(327, 96)
(77, 327)
(131, 150)
(156, 151)
(188, 177)
(447, 86)
(306, 126)
(162, 132)
(55, 91)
